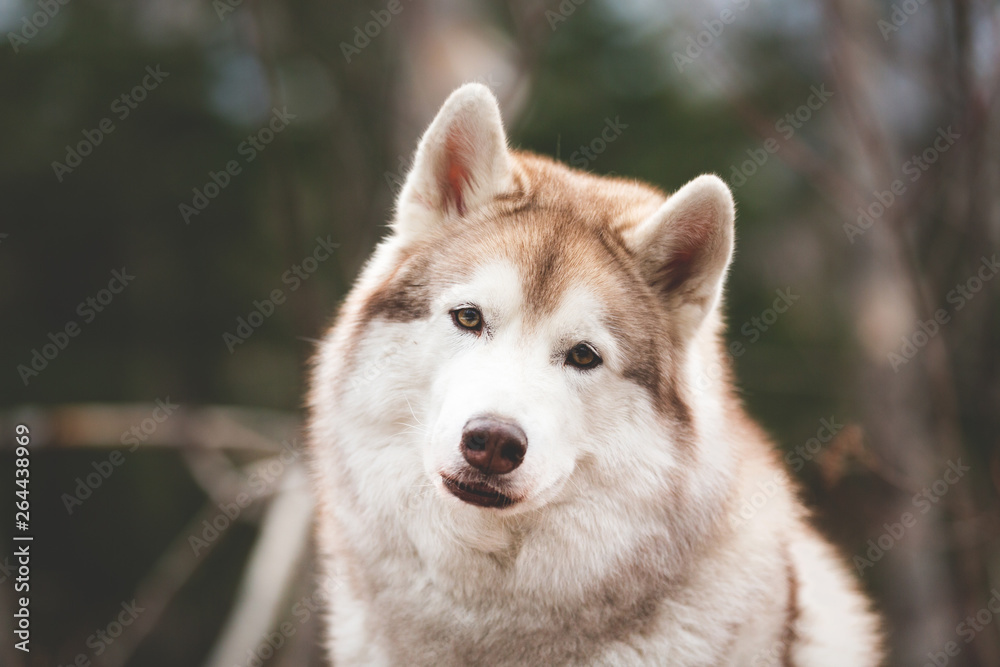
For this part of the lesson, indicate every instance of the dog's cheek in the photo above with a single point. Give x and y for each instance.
(444, 417)
(611, 407)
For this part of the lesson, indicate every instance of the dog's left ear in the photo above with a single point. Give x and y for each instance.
(685, 247)
(462, 162)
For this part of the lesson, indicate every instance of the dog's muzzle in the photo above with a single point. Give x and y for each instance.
(494, 447)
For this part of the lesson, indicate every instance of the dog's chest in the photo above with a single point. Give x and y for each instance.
(476, 611)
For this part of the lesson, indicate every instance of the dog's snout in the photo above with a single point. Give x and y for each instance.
(493, 445)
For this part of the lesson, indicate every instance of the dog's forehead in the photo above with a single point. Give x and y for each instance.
(547, 258)
(560, 228)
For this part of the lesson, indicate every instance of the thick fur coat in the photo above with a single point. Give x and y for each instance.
(524, 439)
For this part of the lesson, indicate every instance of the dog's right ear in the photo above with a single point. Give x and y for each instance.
(462, 162)
(685, 248)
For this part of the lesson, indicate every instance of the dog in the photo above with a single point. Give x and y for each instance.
(519, 451)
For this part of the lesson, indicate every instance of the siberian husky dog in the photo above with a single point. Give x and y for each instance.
(525, 445)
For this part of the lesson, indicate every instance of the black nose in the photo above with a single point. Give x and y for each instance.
(493, 445)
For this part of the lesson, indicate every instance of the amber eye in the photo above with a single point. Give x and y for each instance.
(583, 356)
(468, 318)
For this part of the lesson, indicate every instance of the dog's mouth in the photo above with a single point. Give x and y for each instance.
(477, 493)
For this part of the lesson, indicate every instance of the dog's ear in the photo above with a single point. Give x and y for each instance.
(461, 163)
(685, 247)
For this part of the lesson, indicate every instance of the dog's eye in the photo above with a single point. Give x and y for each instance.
(468, 318)
(583, 356)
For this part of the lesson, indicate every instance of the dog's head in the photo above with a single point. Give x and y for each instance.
(528, 331)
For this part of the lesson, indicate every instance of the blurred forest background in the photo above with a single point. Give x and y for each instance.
(218, 150)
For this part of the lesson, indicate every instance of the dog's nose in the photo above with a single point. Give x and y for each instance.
(493, 445)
